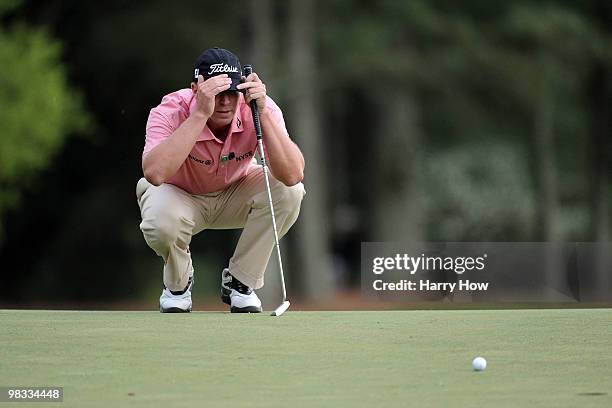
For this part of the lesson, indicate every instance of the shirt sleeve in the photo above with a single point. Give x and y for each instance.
(163, 121)
(277, 113)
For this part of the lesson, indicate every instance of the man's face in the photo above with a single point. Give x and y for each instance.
(225, 108)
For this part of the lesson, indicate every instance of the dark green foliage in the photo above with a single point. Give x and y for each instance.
(485, 78)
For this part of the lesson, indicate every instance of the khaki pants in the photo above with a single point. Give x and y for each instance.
(171, 216)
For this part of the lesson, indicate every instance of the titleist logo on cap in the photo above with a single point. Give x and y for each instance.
(221, 67)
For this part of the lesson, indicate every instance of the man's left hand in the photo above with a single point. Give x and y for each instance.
(255, 90)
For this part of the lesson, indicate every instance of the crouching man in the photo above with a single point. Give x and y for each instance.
(200, 173)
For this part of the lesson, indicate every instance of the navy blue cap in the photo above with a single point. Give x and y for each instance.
(217, 61)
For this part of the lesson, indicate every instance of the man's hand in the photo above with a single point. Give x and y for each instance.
(207, 90)
(255, 90)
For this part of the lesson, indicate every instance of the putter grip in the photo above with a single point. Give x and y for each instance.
(246, 71)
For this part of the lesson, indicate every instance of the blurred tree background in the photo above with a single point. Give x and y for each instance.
(420, 120)
(33, 84)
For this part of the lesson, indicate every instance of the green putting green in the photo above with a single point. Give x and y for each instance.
(536, 358)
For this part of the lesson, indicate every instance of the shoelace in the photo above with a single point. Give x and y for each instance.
(239, 286)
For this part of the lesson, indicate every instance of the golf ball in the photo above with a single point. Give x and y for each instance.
(479, 364)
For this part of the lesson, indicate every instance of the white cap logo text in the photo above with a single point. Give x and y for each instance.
(220, 68)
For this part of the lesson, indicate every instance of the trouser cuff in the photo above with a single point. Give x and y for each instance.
(244, 277)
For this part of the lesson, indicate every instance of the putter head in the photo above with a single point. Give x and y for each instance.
(281, 309)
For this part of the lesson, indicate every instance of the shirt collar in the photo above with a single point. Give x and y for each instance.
(238, 122)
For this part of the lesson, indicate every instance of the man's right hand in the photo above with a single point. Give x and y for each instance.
(207, 90)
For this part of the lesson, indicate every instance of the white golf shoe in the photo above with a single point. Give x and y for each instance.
(177, 302)
(240, 297)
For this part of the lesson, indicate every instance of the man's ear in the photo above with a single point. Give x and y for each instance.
(194, 87)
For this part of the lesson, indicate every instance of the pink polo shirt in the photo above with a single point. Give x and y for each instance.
(212, 165)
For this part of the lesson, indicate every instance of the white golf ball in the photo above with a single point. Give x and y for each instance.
(479, 364)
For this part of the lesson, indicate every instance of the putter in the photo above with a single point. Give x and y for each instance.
(248, 70)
